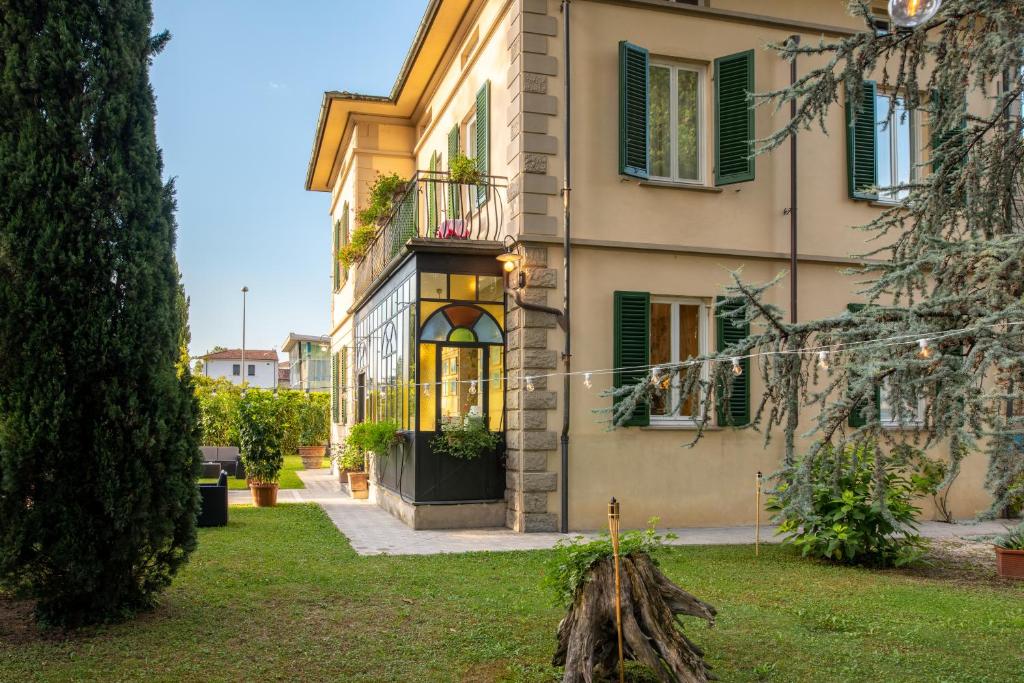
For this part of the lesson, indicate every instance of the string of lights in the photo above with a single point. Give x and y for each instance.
(822, 353)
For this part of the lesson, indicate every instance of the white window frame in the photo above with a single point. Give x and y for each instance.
(886, 416)
(470, 129)
(703, 320)
(914, 121)
(702, 132)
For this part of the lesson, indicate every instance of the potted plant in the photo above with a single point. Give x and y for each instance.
(463, 170)
(466, 440)
(1010, 554)
(363, 438)
(313, 431)
(259, 435)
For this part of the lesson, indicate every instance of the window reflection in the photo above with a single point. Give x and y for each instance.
(459, 398)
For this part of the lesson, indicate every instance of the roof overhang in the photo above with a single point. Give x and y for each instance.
(438, 27)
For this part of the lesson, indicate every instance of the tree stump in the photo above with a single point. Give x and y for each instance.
(587, 637)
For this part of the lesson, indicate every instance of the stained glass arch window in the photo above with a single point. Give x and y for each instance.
(462, 323)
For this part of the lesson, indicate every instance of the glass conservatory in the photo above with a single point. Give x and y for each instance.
(430, 351)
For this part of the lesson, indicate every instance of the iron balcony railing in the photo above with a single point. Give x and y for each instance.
(435, 207)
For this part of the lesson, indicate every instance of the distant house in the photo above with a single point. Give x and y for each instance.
(260, 367)
(309, 361)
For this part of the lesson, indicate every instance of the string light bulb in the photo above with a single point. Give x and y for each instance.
(472, 387)
(588, 380)
(823, 360)
(737, 369)
(923, 350)
(426, 389)
(911, 13)
(383, 392)
(529, 383)
(655, 375)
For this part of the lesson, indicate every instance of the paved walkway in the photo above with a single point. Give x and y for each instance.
(372, 531)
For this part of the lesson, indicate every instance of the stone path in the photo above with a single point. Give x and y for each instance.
(372, 531)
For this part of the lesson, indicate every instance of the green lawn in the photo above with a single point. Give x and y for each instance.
(289, 480)
(280, 595)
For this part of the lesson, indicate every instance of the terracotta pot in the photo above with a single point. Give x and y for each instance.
(263, 495)
(1010, 563)
(312, 456)
(359, 484)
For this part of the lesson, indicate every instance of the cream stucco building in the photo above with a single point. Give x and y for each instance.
(650, 135)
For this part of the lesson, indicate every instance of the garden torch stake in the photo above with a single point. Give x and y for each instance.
(613, 529)
(757, 515)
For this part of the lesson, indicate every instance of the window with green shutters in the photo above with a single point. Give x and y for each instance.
(335, 246)
(735, 411)
(482, 149)
(432, 198)
(631, 335)
(335, 396)
(734, 118)
(633, 103)
(944, 141)
(454, 209)
(861, 131)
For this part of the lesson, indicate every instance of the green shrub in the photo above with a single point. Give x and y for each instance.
(1012, 540)
(260, 432)
(314, 420)
(381, 201)
(218, 411)
(847, 521)
(571, 558)
(358, 246)
(462, 169)
(373, 437)
(352, 459)
(466, 440)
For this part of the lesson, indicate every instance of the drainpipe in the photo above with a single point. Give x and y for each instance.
(566, 256)
(794, 40)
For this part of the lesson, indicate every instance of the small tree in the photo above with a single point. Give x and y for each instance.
(259, 432)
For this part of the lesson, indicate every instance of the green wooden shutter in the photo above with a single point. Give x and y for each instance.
(941, 138)
(631, 334)
(737, 411)
(861, 129)
(335, 245)
(432, 198)
(857, 418)
(335, 397)
(734, 118)
(343, 384)
(344, 239)
(454, 208)
(483, 138)
(634, 135)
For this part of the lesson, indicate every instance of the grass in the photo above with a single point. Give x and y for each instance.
(288, 480)
(280, 595)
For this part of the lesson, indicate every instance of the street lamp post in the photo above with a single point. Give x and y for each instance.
(245, 290)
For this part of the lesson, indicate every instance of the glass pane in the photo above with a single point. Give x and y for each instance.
(491, 288)
(459, 398)
(463, 316)
(433, 285)
(428, 387)
(689, 344)
(661, 348)
(495, 395)
(462, 334)
(901, 132)
(464, 287)
(660, 117)
(487, 330)
(436, 328)
(687, 136)
(883, 143)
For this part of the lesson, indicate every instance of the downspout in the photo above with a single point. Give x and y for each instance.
(793, 265)
(567, 260)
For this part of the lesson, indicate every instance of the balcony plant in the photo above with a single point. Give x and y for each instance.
(1010, 554)
(259, 431)
(466, 440)
(358, 246)
(463, 170)
(381, 199)
(363, 438)
(314, 423)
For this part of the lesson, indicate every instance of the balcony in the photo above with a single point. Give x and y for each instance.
(433, 207)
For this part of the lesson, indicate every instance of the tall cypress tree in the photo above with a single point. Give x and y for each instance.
(98, 450)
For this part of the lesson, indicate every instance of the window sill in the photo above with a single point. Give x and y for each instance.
(694, 187)
(678, 427)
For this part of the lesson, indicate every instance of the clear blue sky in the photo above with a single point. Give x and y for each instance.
(238, 92)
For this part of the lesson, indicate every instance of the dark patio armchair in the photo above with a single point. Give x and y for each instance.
(213, 510)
